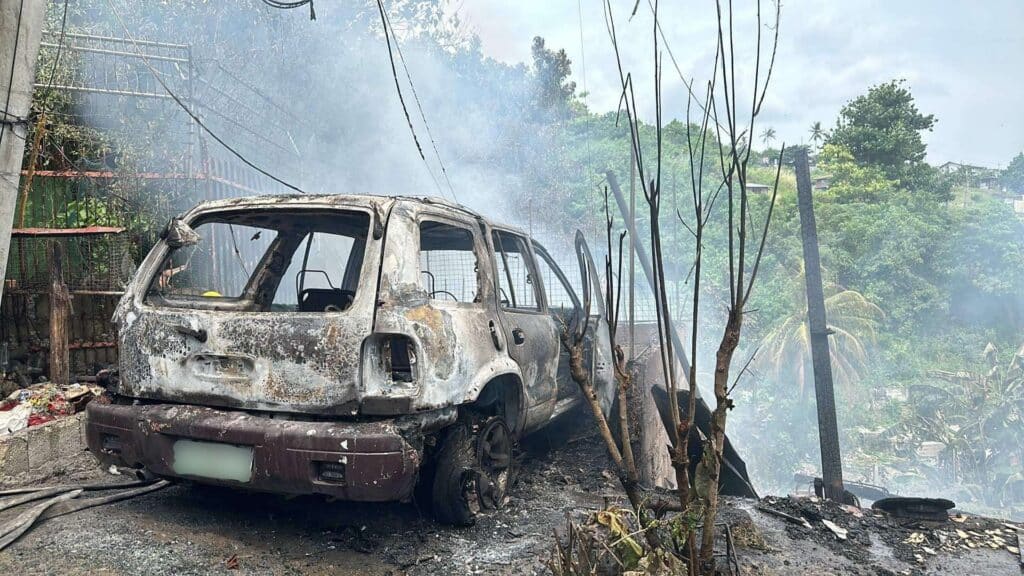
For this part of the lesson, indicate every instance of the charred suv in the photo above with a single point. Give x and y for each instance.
(360, 347)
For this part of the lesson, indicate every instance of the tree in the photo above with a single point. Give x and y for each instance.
(817, 133)
(851, 182)
(1013, 176)
(785, 351)
(768, 135)
(883, 128)
(745, 237)
(551, 69)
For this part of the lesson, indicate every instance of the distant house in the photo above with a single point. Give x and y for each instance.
(973, 176)
(757, 188)
(1018, 207)
(821, 183)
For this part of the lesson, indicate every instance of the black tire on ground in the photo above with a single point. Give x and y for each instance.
(473, 469)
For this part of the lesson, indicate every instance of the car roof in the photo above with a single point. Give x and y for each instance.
(378, 202)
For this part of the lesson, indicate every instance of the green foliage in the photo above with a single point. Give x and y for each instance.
(1013, 176)
(554, 90)
(851, 181)
(784, 353)
(977, 417)
(883, 129)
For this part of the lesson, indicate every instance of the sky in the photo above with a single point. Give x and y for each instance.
(963, 61)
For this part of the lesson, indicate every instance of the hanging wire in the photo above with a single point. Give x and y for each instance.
(8, 117)
(192, 114)
(419, 106)
(60, 45)
(586, 95)
(280, 5)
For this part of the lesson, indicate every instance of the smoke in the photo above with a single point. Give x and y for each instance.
(315, 102)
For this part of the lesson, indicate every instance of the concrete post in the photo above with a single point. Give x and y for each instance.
(21, 29)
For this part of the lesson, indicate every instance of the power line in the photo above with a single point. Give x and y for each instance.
(423, 117)
(192, 114)
(60, 45)
(388, 33)
(687, 83)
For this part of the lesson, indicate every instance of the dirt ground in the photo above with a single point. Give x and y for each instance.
(187, 529)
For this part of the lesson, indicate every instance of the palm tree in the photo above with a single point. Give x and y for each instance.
(768, 135)
(785, 352)
(817, 133)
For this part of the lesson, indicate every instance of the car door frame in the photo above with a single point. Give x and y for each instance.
(539, 330)
(597, 346)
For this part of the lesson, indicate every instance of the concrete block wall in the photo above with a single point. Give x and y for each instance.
(40, 452)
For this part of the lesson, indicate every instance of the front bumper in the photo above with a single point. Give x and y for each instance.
(366, 461)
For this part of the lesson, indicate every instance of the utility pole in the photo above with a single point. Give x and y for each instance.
(21, 29)
(828, 432)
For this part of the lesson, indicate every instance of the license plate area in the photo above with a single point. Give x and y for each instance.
(213, 460)
(222, 368)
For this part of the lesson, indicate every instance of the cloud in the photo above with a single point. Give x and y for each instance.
(959, 61)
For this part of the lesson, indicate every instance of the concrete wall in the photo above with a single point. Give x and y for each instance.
(41, 452)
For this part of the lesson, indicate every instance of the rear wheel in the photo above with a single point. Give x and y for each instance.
(474, 469)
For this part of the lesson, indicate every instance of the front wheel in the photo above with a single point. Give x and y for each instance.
(474, 471)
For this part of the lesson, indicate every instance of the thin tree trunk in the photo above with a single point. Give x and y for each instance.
(33, 157)
(627, 478)
(622, 378)
(723, 359)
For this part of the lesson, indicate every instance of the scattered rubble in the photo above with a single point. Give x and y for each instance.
(193, 530)
(847, 529)
(43, 402)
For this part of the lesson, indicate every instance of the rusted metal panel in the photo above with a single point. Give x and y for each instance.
(368, 461)
(55, 232)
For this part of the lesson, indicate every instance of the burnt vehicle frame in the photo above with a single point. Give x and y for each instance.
(416, 360)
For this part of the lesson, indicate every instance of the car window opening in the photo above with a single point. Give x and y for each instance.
(448, 262)
(516, 287)
(266, 260)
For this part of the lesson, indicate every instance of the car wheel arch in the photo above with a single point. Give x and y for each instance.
(504, 395)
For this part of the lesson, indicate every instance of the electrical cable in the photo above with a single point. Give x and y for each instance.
(401, 97)
(281, 5)
(60, 45)
(10, 118)
(192, 114)
(416, 98)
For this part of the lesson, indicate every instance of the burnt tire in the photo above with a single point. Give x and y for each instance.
(474, 469)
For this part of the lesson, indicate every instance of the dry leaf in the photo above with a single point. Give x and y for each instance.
(915, 538)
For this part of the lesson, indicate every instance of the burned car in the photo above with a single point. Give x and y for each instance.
(361, 347)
